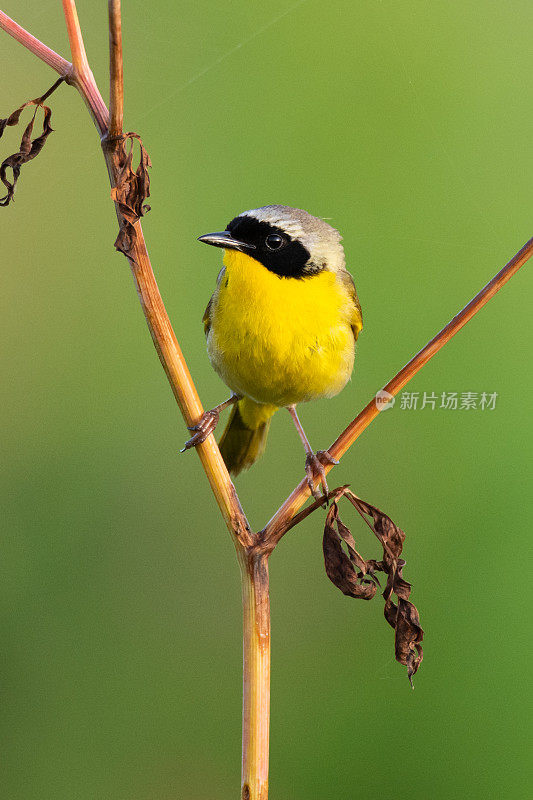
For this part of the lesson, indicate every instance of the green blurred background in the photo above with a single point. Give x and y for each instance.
(409, 125)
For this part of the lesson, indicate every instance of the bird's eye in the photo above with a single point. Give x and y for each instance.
(274, 241)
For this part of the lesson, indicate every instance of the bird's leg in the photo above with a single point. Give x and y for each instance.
(314, 462)
(207, 423)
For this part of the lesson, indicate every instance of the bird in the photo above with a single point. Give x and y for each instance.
(281, 328)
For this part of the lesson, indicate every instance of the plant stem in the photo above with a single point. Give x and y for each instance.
(116, 77)
(256, 675)
(77, 47)
(57, 62)
(86, 86)
(184, 390)
(277, 526)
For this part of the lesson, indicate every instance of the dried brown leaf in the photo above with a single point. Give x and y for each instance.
(131, 189)
(347, 572)
(28, 148)
(356, 577)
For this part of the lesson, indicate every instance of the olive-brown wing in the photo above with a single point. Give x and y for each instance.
(356, 313)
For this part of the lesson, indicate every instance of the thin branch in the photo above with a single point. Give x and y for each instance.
(116, 77)
(279, 523)
(50, 57)
(159, 324)
(82, 76)
(77, 48)
(184, 390)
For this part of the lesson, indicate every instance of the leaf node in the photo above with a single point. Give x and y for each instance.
(131, 189)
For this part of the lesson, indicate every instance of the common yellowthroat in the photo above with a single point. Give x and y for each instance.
(281, 328)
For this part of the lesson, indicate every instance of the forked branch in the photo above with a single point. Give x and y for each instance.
(252, 549)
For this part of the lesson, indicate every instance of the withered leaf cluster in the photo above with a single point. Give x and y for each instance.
(356, 577)
(29, 148)
(131, 189)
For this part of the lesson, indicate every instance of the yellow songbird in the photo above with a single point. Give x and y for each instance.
(281, 328)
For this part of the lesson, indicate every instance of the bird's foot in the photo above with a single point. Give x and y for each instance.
(205, 425)
(314, 468)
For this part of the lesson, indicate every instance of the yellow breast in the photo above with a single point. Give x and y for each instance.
(280, 340)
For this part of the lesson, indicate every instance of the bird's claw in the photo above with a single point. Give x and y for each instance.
(314, 467)
(325, 457)
(205, 426)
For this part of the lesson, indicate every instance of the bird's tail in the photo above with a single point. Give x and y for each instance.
(244, 439)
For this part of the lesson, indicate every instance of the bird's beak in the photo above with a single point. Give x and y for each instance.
(226, 240)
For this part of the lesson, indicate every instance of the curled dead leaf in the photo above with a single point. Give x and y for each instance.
(29, 148)
(131, 189)
(355, 576)
(347, 572)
